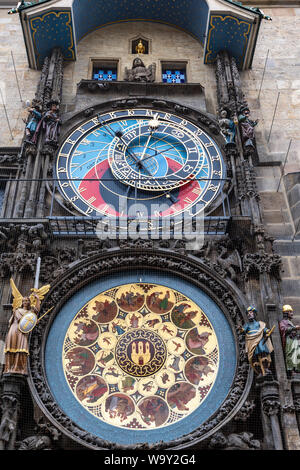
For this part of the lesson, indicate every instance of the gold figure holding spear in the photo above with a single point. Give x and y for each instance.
(23, 320)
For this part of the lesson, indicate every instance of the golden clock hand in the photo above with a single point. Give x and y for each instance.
(153, 124)
(157, 153)
(145, 148)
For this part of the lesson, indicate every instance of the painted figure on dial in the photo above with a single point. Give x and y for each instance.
(154, 410)
(180, 394)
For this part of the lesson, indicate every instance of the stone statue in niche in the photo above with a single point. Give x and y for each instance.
(229, 258)
(290, 336)
(16, 347)
(139, 72)
(258, 343)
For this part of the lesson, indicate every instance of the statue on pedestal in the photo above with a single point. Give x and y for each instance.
(227, 126)
(52, 124)
(258, 343)
(290, 336)
(139, 72)
(22, 321)
(31, 131)
(247, 129)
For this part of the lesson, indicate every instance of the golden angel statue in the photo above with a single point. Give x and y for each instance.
(22, 321)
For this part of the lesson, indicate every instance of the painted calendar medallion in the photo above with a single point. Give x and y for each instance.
(144, 358)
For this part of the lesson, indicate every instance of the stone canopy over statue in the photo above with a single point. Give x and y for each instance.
(139, 72)
(22, 321)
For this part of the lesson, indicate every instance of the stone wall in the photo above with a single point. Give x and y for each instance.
(280, 37)
(272, 88)
(279, 43)
(166, 44)
(17, 81)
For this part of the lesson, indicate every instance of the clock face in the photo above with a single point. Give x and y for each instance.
(155, 161)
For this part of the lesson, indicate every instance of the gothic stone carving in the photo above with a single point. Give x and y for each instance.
(45, 437)
(240, 441)
(21, 244)
(10, 408)
(258, 263)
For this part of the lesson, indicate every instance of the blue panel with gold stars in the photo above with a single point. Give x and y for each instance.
(53, 29)
(226, 32)
(140, 357)
(189, 15)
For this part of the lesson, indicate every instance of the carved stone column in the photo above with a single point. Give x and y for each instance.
(231, 99)
(47, 154)
(49, 89)
(261, 266)
(29, 154)
(270, 413)
(295, 385)
(12, 390)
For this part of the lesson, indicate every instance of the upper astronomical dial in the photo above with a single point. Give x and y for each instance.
(139, 156)
(156, 155)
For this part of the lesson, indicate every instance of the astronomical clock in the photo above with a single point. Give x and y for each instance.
(116, 160)
(139, 348)
(131, 212)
